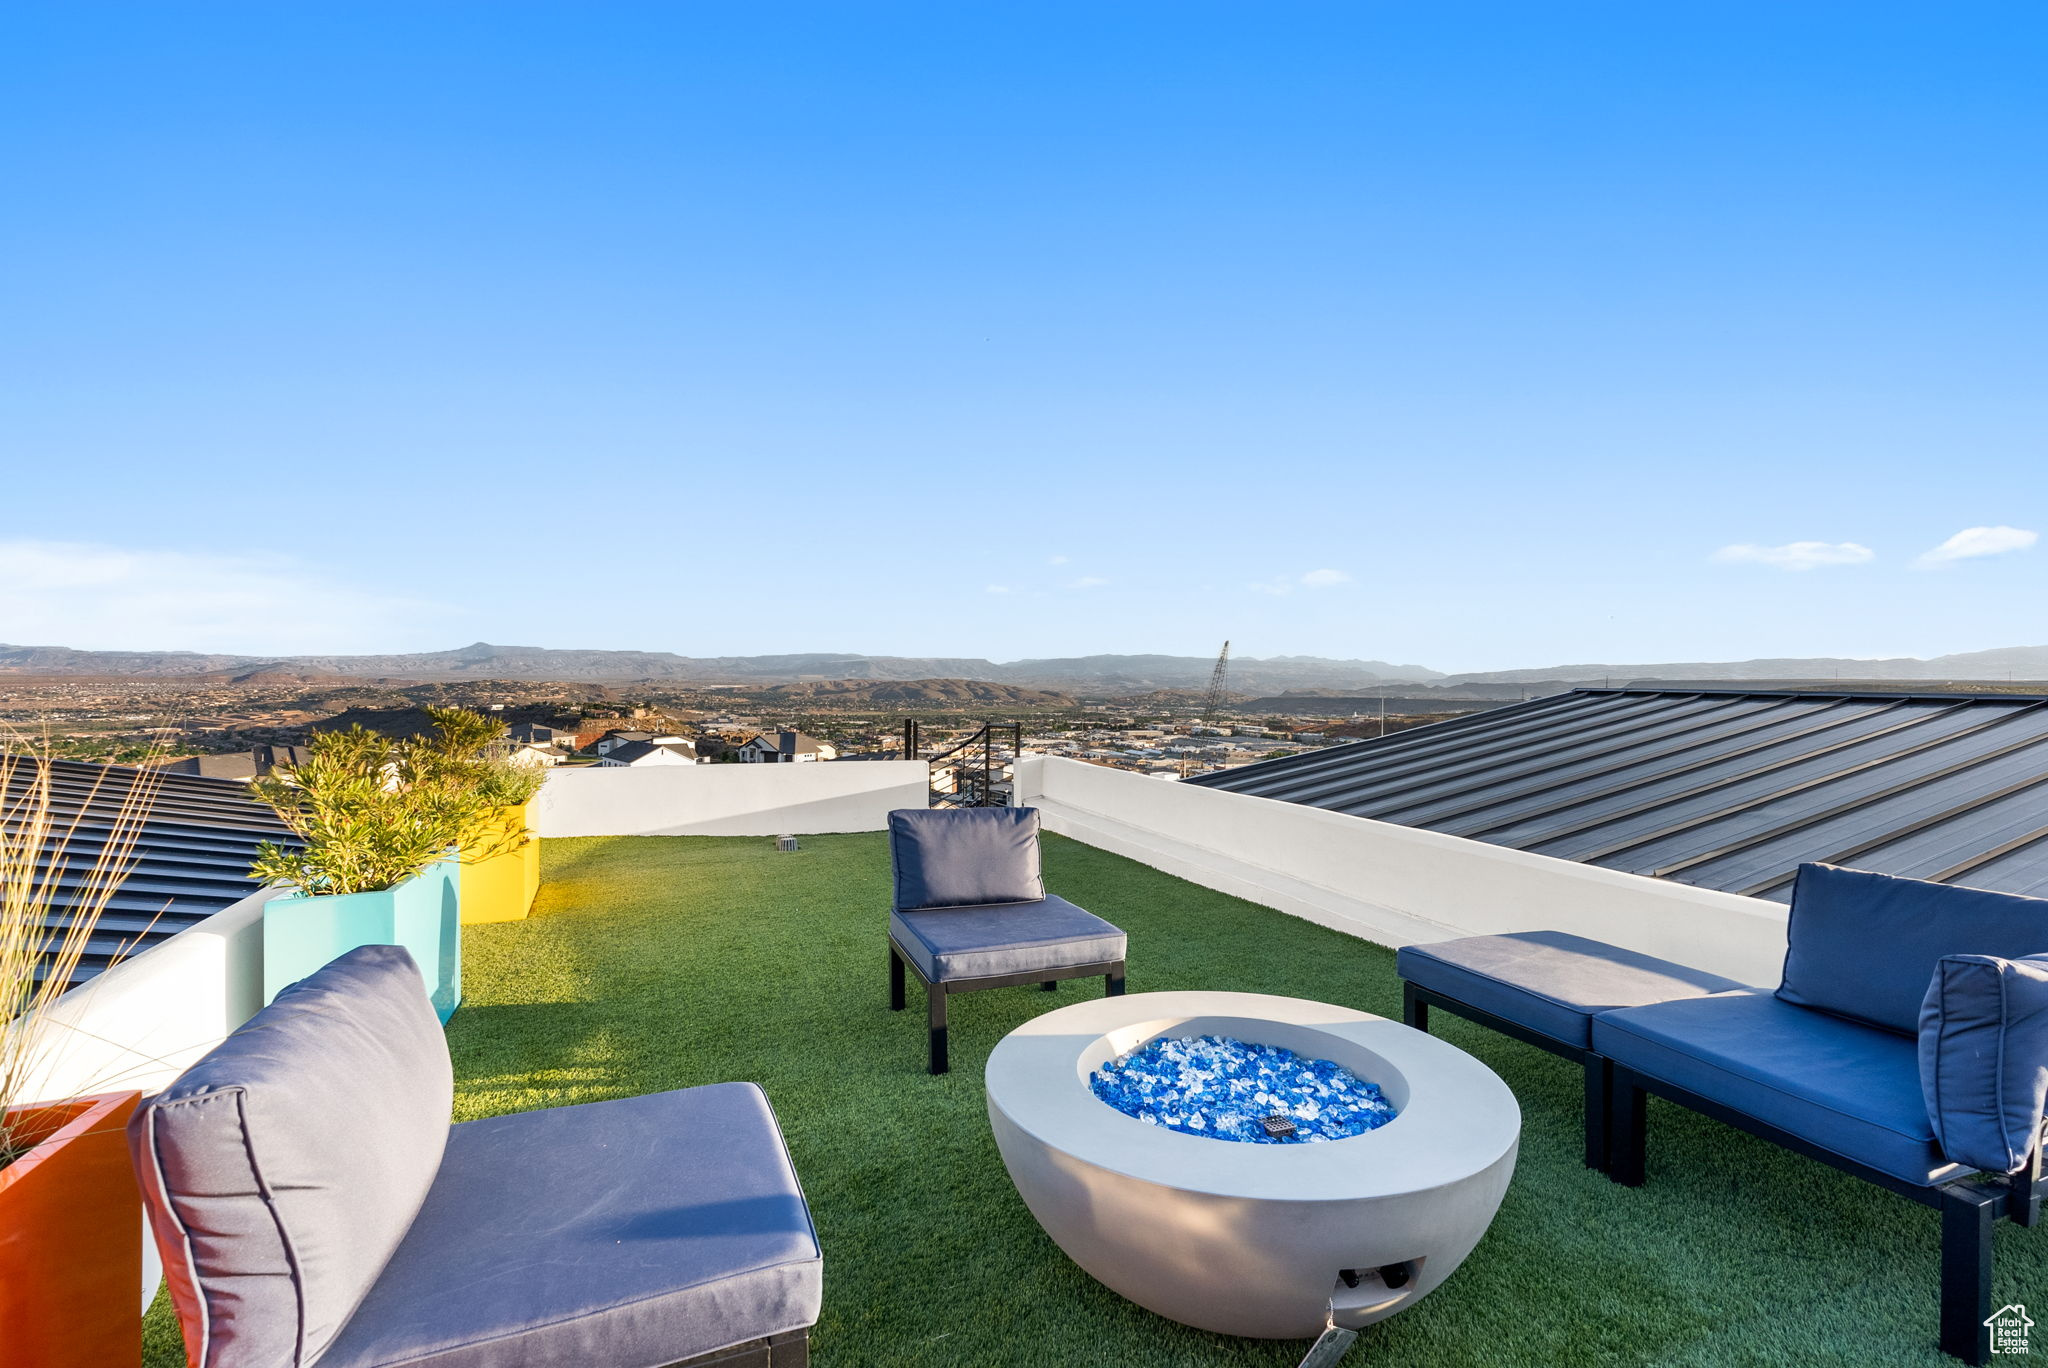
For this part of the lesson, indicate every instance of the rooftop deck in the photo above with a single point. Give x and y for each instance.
(665, 962)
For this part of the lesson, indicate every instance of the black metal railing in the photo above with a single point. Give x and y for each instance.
(975, 765)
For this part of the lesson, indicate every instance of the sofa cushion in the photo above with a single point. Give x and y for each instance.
(1010, 938)
(964, 857)
(631, 1232)
(1845, 1087)
(1548, 981)
(282, 1169)
(1863, 945)
(1984, 1057)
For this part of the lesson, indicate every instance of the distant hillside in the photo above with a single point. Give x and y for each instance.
(62, 660)
(1098, 674)
(2016, 662)
(1146, 673)
(1320, 704)
(399, 723)
(897, 692)
(482, 660)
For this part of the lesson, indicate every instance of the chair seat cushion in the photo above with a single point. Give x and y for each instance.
(948, 943)
(633, 1232)
(1850, 1089)
(1550, 982)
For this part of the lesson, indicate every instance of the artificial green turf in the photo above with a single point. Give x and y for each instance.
(664, 962)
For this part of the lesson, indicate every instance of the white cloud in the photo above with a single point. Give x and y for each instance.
(1055, 560)
(1281, 585)
(1799, 555)
(96, 597)
(1087, 582)
(1972, 542)
(997, 589)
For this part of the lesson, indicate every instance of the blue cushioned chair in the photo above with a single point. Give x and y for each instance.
(1907, 1044)
(971, 911)
(313, 1205)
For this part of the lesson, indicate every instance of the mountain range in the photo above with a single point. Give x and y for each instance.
(1099, 673)
(1094, 673)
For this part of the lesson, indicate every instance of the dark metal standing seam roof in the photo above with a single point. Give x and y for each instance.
(190, 859)
(1724, 788)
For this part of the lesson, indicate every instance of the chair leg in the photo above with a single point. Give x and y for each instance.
(1050, 985)
(2024, 1206)
(1113, 982)
(1626, 1121)
(1414, 1011)
(935, 1003)
(1599, 1102)
(1968, 1215)
(895, 979)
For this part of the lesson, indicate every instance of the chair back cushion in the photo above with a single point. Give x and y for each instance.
(1862, 945)
(964, 857)
(1984, 1057)
(281, 1170)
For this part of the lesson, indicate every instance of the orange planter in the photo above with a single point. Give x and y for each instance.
(71, 1239)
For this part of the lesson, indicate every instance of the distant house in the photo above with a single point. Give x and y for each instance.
(619, 736)
(244, 765)
(713, 748)
(533, 734)
(638, 754)
(785, 748)
(537, 755)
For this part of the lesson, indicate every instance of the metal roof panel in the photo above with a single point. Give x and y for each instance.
(1722, 788)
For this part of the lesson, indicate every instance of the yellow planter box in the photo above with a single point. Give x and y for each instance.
(501, 887)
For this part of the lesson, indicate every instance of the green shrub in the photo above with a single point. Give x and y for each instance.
(373, 812)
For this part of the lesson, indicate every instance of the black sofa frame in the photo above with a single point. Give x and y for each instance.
(935, 994)
(790, 1349)
(1617, 1138)
(1416, 1002)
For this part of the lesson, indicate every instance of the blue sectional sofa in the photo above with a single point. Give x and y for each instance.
(1907, 1044)
(315, 1208)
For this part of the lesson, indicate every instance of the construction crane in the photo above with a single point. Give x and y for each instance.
(1218, 679)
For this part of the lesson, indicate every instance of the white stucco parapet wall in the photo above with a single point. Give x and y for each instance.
(729, 800)
(1389, 884)
(142, 1022)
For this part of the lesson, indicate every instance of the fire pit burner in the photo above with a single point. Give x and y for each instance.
(1227, 1089)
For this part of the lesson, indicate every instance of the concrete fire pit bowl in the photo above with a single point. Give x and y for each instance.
(1254, 1239)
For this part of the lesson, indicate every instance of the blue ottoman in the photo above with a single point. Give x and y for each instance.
(1545, 987)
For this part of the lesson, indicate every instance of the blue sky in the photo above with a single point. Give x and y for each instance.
(1470, 335)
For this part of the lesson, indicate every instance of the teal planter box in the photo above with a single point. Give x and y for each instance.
(301, 934)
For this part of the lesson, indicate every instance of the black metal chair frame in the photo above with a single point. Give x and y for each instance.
(1617, 1134)
(1416, 1002)
(935, 994)
(790, 1349)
